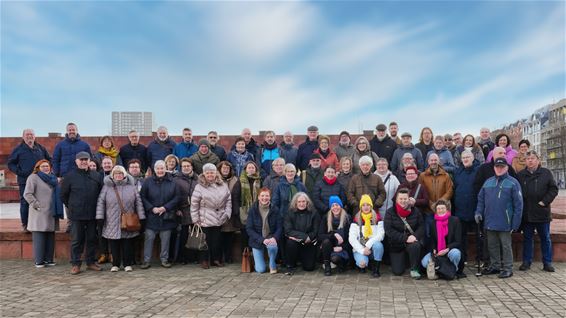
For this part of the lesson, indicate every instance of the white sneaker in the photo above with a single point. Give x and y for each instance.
(128, 268)
(115, 269)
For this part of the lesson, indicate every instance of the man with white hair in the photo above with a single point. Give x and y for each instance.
(21, 162)
(485, 142)
(287, 149)
(366, 183)
(160, 147)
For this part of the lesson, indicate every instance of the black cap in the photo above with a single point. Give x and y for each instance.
(406, 134)
(500, 162)
(312, 128)
(343, 132)
(381, 127)
(315, 156)
(82, 155)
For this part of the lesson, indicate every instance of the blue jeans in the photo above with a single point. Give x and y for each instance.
(454, 255)
(164, 237)
(543, 230)
(376, 252)
(259, 260)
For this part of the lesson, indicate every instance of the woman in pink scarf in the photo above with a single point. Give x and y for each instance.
(445, 237)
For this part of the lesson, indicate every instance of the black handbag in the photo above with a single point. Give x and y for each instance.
(444, 267)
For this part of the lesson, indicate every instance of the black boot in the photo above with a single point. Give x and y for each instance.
(375, 271)
(327, 268)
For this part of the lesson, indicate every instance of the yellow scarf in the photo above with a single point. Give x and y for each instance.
(112, 153)
(366, 217)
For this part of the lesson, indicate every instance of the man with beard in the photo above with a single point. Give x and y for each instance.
(214, 146)
(383, 145)
(393, 132)
(187, 147)
(485, 142)
(345, 147)
(267, 153)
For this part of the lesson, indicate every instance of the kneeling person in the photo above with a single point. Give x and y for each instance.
(365, 236)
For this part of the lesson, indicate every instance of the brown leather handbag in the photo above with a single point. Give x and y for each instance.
(247, 260)
(129, 221)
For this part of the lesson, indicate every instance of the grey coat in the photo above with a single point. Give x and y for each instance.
(108, 209)
(39, 196)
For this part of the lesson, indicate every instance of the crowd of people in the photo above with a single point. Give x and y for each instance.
(352, 205)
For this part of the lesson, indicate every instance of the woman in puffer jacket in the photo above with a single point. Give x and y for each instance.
(211, 206)
(365, 236)
(109, 212)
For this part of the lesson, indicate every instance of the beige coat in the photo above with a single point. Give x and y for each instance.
(211, 203)
(39, 196)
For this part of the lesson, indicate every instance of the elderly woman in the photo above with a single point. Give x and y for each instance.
(503, 141)
(45, 210)
(289, 185)
(362, 149)
(390, 182)
(365, 236)
(186, 182)
(107, 149)
(119, 192)
(160, 197)
(250, 182)
(520, 161)
(327, 156)
(233, 224)
(325, 188)
(239, 156)
(446, 236)
(172, 165)
(272, 180)
(407, 160)
(332, 233)
(211, 206)
(404, 239)
(264, 227)
(301, 231)
(468, 143)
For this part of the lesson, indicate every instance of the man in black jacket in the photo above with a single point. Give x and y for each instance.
(382, 144)
(134, 150)
(539, 190)
(79, 193)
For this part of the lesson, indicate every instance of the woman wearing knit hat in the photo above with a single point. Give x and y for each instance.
(332, 233)
(365, 236)
(301, 232)
(211, 207)
(404, 226)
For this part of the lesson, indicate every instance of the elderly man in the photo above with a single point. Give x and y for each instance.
(21, 162)
(539, 190)
(500, 207)
(213, 138)
(407, 147)
(365, 183)
(187, 147)
(307, 148)
(382, 144)
(486, 170)
(485, 142)
(345, 148)
(287, 149)
(160, 147)
(79, 193)
(444, 155)
(134, 150)
(66, 150)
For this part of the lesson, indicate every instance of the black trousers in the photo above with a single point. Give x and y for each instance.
(83, 233)
(326, 249)
(398, 259)
(214, 241)
(122, 252)
(102, 242)
(227, 244)
(305, 253)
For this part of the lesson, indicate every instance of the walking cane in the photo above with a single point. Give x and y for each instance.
(479, 248)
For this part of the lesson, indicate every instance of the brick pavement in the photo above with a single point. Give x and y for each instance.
(188, 291)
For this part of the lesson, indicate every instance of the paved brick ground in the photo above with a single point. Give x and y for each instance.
(188, 291)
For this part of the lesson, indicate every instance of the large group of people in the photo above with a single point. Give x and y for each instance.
(349, 205)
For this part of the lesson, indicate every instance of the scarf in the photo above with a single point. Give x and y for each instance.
(402, 212)
(441, 230)
(264, 212)
(324, 153)
(366, 217)
(56, 204)
(240, 160)
(292, 191)
(112, 153)
(249, 196)
(268, 146)
(329, 181)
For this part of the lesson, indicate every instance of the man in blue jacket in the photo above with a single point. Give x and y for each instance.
(160, 147)
(21, 162)
(66, 150)
(500, 206)
(186, 148)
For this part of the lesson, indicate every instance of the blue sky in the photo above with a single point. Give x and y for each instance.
(453, 66)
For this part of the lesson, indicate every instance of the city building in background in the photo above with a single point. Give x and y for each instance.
(124, 122)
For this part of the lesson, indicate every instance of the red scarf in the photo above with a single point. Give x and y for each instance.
(441, 230)
(329, 181)
(401, 211)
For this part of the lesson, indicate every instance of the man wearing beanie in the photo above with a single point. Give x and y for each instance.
(365, 236)
(203, 156)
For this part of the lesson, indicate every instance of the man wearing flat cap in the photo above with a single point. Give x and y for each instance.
(79, 193)
(382, 144)
(307, 148)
